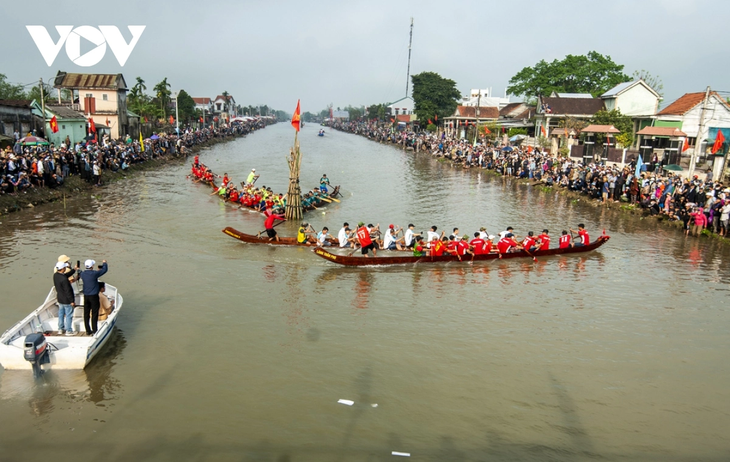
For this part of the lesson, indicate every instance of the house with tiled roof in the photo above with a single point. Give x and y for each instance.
(470, 115)
(516, 115)
(551, 111)
(685, 114)
(634, 99)
(71, 123)
(101, 97)
(202, 103)
(223, 104)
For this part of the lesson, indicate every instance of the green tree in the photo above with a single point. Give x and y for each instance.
(622, 122)
(186, 105)
(434, 96)
(10, 91)
(655, 82)
(594, 74)
(162, 92)
(35, 93)
(225, 95)
(516, 131)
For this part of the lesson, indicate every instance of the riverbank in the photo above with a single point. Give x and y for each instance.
(621, 208)
(75, 186)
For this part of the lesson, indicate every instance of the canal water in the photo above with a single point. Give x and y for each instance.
(229, 351)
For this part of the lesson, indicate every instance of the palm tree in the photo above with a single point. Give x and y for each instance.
(162, 90)
(225, 99)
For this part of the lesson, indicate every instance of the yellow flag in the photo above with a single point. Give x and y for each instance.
(141, 141)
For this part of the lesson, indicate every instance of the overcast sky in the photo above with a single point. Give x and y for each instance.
(356, 52)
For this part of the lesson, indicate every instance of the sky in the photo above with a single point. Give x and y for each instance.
(356, 53)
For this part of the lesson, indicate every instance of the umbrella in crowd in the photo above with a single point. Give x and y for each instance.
(154, 137)
(517, 138)
(673, 168)
(33, 141)
(507, 148)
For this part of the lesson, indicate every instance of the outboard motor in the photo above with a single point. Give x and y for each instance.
(36, 352)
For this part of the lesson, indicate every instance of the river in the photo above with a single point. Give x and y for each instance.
(229, 351)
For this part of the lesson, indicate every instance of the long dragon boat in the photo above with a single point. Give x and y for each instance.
(264, 239)
(384, 257)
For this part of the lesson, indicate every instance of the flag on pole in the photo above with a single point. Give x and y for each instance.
(719, 142)
(639, 165)
(542, 131)
(685, 146)
(172, 120)
(54, 124)
(487, 131)
(92, 125)
(295, 119)
(141, 142)
(430, 122)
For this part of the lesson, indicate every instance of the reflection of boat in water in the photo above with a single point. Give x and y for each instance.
(34, 341)
(96, 383)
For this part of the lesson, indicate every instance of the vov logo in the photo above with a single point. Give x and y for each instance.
(71, 36)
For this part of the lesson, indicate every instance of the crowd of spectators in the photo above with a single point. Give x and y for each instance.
(699, 203)
(25, 167)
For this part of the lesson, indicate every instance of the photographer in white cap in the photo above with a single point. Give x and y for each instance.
(90, 278)
(64, 294)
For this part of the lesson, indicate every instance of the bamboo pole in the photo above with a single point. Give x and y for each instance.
(294, 194)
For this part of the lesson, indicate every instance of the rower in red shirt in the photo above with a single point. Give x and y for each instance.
(564, 240)
(366, 243)
(528, 243)
(462, 247)
(437, 247)
(583, 235)
(269, 224)
(477, 244)
(544, 240)
(225, 179)
(507, 244)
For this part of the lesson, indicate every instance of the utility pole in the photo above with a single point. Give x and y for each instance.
(43, 109)
(698, 143)
(476, 113)
(410, 41)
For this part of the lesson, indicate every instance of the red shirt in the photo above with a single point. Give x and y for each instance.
(438, 249)
(225, 180)
(363, 235)
(462, 246)
(584, 239)
(505, 244)
(234, 196)
(478, 244)
(565, 241)
(545, 241)
(452, 246)
(488, 246)
(270, 217)
(528, 242)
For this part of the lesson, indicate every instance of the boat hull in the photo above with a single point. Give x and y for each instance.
(264, 239)
(349, 260)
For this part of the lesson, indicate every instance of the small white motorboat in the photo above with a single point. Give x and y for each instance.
(35, 343)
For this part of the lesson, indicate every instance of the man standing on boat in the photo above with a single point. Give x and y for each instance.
(366, 243)
(323, 183)
(90, 278)
(252, 177)
(65, 295)
(269, 224)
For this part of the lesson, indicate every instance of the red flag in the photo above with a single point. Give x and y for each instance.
(172, 120)
(430, 122)
(719, 141)
(201, 120)
(296, 118)
(92, 125)
(54, 125)
(108, 124)
(542, 131)
(685, 146)
(487, 131)
(392, 120)
(146, 120)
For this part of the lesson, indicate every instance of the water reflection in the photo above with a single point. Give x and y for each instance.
(96, 383)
